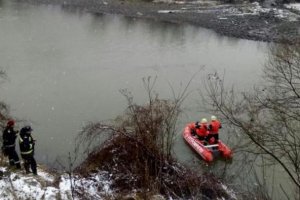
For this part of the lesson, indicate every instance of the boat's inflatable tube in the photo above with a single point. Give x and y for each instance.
(205, 151)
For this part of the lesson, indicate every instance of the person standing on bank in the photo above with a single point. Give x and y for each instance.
(9, 144)
(27, 144)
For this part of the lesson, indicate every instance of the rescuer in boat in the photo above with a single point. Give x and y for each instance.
(9, 143)
(201, 129)
(27, 144)
(213, 127)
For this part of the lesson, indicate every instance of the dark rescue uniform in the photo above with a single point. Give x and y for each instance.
(27, 150)
(9, 139)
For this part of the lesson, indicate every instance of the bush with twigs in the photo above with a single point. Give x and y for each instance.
(138, 151)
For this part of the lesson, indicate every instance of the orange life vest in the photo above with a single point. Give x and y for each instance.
(214, 127)
(202, 129)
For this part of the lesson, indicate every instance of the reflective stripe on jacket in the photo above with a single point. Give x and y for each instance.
(8, 146)
(27, 152)
(26, 144)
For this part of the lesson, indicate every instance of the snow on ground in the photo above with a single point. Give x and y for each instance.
(225, 11)
(18, 185)
(49, 186)
(230, 192)
(256, 9)
(295, 6)
(96, 186)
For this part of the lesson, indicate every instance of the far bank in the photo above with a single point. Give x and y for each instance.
(254, 21)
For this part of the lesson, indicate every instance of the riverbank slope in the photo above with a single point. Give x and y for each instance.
(246, 20)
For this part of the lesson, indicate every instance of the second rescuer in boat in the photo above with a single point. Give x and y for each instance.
(208, 133)
(214, 126)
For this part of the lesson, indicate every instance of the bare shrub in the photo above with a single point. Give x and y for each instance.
(137, 150)
(270, 115)
(3, 107)
(146, 132)
(132, 168)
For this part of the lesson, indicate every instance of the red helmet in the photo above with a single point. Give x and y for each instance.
(11, 122)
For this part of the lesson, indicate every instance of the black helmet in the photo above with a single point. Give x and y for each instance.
(26, 129)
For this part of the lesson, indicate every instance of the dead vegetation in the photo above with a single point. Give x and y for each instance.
(133, 167)
(138, 152)
(3, 107)
(268, 116)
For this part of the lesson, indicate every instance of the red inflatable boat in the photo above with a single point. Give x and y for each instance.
(205, 151)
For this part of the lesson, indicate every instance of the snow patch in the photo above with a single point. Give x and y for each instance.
(46, 176)
(256, 9)
(224, 11)
(229, 192)
(169, 11)
(65, 187)
(294, 6)
(18, 185)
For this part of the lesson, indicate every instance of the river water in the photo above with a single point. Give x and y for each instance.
(65, 69)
